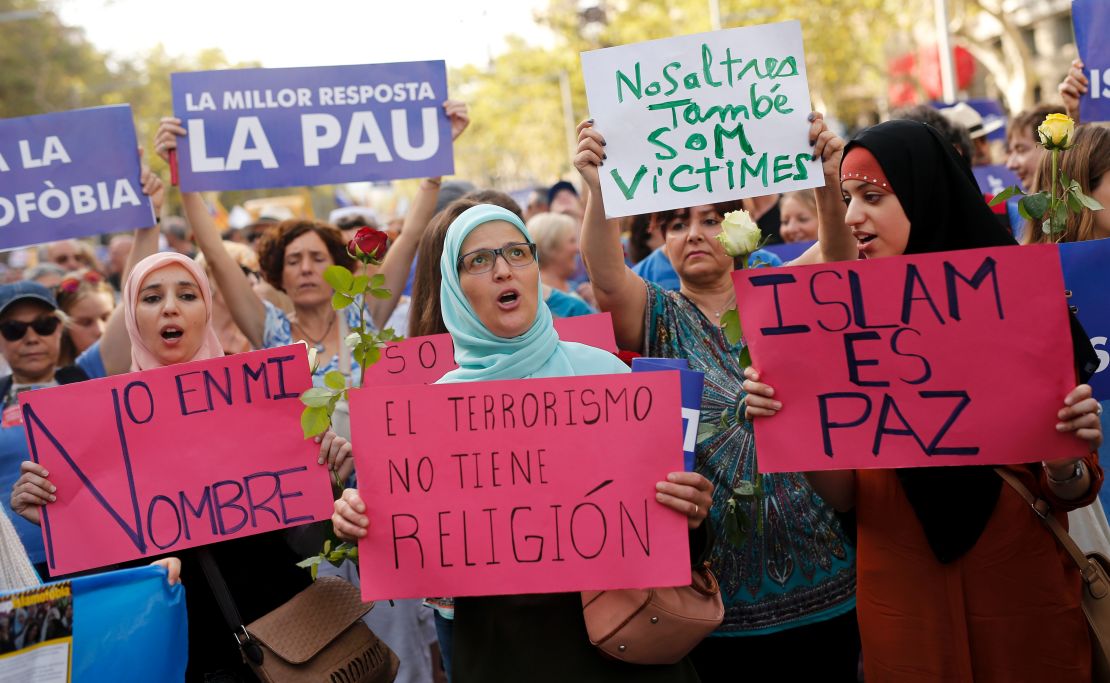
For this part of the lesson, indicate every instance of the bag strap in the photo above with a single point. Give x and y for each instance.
(227, 606)
(1044, 512)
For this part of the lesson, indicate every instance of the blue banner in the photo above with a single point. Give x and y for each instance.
(790, 250)
(70, 174)
(127, 626)
(692, 384)
(994, 179)
(1088, 279)
(1091, 19)
(263, 128)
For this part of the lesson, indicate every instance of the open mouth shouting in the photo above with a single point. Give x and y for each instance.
(508, 299)
(172, 334)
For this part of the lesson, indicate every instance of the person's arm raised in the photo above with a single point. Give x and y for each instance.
(115, 344)
(398, 260)
(618, 290)
(834, 239)
(246, 309)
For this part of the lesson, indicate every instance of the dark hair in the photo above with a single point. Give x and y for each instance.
(638, 228)
(1026, 122)
(272, 245)
(665, 217)
(957, 135)
(427, 317)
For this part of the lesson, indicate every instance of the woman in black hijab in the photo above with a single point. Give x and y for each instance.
(957, 578)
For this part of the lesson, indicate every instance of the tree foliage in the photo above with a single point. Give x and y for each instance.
(519, 128)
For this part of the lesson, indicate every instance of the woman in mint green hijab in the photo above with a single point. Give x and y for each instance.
(490, 297)
(502, 329)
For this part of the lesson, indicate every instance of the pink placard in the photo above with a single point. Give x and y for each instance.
(423, 360)
(152, 462)
(955, 358)
(525, 486)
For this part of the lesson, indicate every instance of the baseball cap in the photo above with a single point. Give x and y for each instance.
(25, 290)
(963, 115)
(559, 187)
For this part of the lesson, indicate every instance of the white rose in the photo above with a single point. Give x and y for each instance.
(352, 340)
(312, 361)
(740, 235)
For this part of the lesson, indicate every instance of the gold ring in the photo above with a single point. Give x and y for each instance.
(696, 508)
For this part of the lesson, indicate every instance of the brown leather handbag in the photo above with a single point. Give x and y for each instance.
(654, 625)
(1095, 570)
(318, 636)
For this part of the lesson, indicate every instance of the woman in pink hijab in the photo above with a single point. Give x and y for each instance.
(168, 312)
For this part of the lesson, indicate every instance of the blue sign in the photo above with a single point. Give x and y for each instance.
(263, 128)
(993, 114)
(692, 384)
(70, 174)
(1092, 25)
(994, 179)
(1088, 279)
(788, 251)
(128, 626)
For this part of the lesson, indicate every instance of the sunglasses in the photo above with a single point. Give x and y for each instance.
(14, 330)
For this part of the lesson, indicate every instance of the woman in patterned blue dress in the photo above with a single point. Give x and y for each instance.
(789, 589)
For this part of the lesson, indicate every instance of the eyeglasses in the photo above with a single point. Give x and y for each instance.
(70, 284)
(14, 330)
(517, 255)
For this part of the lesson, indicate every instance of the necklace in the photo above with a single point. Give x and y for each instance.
(318, 344)
(717, 314)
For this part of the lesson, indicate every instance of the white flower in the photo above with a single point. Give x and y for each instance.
(352, 340)
(313, 362)
(739, 234)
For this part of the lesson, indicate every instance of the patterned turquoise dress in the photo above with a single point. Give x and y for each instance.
(799, 568)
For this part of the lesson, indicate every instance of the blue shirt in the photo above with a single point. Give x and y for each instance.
(565, 305)
(13, 451)
(657, 267)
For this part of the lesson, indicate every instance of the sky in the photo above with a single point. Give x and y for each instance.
(282, 33)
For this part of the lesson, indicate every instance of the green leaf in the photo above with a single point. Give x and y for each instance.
(315, 421)
(335, 380)
(310, 562)
(1087, 201)
(377, 281)
(327, 546)
(733, 531)
(1036, 205)
(1004, 195)
(730, 323)
(1074, 205)
(746, 357)
(316, 397)
(381, 293)
(373, 355)
(358, 286)
(339, 301)
(339, 278)
(1060, 220)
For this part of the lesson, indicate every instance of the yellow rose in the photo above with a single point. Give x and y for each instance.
(739, 234)
(1056, 132)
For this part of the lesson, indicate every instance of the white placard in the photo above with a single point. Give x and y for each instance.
(702, 119)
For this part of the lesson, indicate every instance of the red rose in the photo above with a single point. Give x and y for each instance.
(369, 245)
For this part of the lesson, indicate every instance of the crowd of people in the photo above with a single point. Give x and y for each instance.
(933, 574)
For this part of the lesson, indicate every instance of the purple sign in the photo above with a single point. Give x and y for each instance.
(994, 179)
(70, 174)
(263, 128)
(1087, 279)
(1092, 26)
